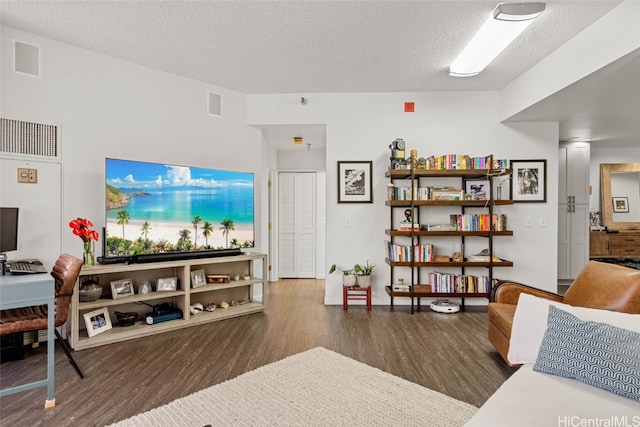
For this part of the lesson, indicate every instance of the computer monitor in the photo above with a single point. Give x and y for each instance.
(8, 231)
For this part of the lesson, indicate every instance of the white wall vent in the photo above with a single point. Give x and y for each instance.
(214, 104)
(33, 139)
(26, 58)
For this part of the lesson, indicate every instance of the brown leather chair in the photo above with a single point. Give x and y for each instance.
(65, 273)
(599, 285)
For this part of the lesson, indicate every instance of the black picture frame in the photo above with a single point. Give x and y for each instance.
(620, 204)
(355, 181)
(529, 181)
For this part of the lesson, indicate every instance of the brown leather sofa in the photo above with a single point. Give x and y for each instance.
(599, 285)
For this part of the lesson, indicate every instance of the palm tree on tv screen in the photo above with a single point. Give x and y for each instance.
(207, 229)
(145, 230)
(196, 220)
(227, 225)
(184, 240)
(123, 218)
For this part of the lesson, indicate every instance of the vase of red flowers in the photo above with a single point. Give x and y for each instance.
(82, 228)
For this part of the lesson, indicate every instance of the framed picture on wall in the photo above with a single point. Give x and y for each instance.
(355, 182)
(529, 181)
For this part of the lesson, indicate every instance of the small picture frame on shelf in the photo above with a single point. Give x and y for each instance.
(478, 189)
(529, 182)
(122, 288)
(167, 284)
(97, 321)
(198, 278)
(620, 204)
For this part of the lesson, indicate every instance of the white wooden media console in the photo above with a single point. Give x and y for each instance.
(241, 291)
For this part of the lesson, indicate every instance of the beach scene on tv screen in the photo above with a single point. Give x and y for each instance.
(155, 208)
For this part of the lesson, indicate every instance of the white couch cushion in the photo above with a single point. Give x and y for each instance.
(533, 399)
(530, 323)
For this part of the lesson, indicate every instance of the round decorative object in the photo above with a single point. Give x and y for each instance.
(145, 287)
(126, 319)
(444, 306)
(90, 291)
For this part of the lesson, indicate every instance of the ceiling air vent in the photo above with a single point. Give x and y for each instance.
(32, 139)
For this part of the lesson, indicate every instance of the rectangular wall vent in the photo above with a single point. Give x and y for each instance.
(214, 104)
(32, 139)
(26, 58)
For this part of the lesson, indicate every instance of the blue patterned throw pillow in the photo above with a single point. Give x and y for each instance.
(594, 353)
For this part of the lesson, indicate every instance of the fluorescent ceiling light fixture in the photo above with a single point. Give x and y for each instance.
(508, 20)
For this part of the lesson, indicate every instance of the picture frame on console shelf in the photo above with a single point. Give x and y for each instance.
(167, 284)
(122, 288)
(97, 321)
(198, 278)
(355, 182)
(620, 204)
(529, 181)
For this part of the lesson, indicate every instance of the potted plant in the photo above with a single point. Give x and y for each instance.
(363, 273)
(348, 275)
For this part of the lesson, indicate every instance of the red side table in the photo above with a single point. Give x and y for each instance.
(351, 293)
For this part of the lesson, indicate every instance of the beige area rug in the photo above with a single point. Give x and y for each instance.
(315, 388)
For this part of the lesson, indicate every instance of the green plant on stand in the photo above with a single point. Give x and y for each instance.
(364, 273)
(348, 275)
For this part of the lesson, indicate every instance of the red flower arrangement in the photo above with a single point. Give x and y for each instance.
(82, 228)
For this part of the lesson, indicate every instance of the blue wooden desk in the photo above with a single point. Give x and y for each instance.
(24, 291)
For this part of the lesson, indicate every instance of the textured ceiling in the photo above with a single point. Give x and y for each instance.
(303, 46)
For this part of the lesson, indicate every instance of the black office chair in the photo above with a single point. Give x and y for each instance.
(65, 272)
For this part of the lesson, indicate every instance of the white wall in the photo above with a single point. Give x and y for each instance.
(107, 107)
(361, 126)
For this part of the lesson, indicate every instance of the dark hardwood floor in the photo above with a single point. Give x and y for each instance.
(449, 353)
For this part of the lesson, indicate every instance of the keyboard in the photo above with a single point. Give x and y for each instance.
(26, 267)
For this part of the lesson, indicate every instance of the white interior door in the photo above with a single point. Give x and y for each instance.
(296, 224)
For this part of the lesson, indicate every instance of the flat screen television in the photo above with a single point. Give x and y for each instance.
(155, 211)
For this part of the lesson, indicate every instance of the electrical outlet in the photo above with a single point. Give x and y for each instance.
(528, 222)
(33, 176)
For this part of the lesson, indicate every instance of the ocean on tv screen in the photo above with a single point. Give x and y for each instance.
(155, 208)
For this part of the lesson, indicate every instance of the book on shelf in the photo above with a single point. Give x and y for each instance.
(464, 162)
(478, 222)
(421, 252)
(459, 283)
(410, 193)
(440, 227)
(483, 258)
(408, 226)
